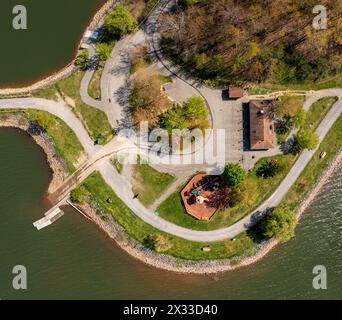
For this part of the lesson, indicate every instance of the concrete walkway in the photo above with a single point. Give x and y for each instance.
(60, 110)
(113, 84)
(123, 189)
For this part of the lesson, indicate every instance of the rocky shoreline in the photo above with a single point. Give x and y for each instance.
(133, 247)
(68, 70)
(205, 267)
(58, 169)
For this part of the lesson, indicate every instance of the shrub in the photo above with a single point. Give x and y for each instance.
(268, 169)
(78, 195)
(233, 175)
(157, 243)
(305, 139)
(280, 223)
(120, 21)
(103, 51)
(82, 60)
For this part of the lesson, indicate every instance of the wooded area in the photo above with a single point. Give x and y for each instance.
(240, 41)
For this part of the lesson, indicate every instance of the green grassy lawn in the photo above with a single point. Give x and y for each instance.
(65, 142)
(95, 121)
(314, 115)
(331, 144)
(257, 189)
(318, 111)
(96, 189)
(327, 83)
(287, 106)
(149, 183)
(254, 192)
(94, 88)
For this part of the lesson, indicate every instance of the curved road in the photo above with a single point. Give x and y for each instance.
(124, 190)
(123, 187)
(112, 81)
(58, 109)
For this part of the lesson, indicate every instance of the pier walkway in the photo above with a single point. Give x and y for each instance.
(50, 217)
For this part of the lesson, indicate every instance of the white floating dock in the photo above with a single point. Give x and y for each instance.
(50, 217)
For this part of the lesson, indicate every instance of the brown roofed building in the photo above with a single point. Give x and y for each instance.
(262, 128)
(235, 92)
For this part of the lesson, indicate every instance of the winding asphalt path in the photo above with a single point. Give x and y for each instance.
(124, 190)
(59, 110)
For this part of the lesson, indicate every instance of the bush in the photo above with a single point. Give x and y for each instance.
(268, 169)
(174, 119)
(157, 243)
(120, 21)
(305, 139)
(103, 51)
(195, 108)
(82, 60)
(78, 195)
(280, 223)
(190, 116)
(233, 175)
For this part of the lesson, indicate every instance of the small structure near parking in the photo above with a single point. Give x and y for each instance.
(235, 92)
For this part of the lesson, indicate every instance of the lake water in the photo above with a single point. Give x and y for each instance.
(50, 41)
(73, 259)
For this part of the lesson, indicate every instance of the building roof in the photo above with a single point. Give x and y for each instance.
(235, 92)
(262, 127)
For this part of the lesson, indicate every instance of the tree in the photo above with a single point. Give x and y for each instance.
(299, 119)
(221, 198)
(174, 119)
(78, 195)
(82, 60)
(305, 139)
(146, 100)
(157, 243)
(120, 21)
(280, 223)
(103, 51)
(233, 175)
(195, 108)
(268, 169)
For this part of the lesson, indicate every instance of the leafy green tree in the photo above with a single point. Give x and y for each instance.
(268, 169)
(280, 223)
(201, 61)
(305, 139)
(78, 195)
(103, 51)
(174, 119)
(120, 21)
(299, 119)
(195, 108)
(82, 60)
(233, 175)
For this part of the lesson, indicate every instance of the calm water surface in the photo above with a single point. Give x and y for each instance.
(73, 259)
(54, 31)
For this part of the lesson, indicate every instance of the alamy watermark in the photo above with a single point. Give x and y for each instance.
(320, 22)
(20, 279)
(320, 280)
(206, 148)
(20, 19)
